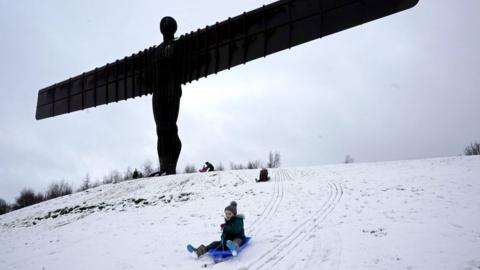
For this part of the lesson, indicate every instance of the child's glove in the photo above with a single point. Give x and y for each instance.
(222, 225)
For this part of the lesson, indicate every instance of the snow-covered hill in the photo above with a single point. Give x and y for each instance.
(421, 214)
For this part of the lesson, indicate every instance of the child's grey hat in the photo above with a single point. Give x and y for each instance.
(232, 208)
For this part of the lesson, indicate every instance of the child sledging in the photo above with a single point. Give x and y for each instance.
(232, 239)
(263, 177)
(207, 167)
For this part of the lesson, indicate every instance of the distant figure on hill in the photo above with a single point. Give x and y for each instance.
(263, 176)
(208, 167)
(233, 233)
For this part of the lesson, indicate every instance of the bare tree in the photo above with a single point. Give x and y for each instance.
(220, 167)
(95, 184)
(147, 168)
(349, 159)
(473, 149)
(235, 166)
(107, 179)
(116, 176)
(190, 168)
(112, 178)
(27, 197)
(273, 160)
(254, 164)
(58, 189)
(128, 174)
(276, 160)
(4, 207)
(86, 183)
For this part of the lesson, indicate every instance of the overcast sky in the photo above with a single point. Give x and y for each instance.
(402, 87)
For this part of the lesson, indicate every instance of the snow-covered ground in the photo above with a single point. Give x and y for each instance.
(420, 214)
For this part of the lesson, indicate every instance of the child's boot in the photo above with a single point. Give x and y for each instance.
(200, 250)
(190, 248)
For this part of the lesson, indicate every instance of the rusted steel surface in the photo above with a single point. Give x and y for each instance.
(223, 45)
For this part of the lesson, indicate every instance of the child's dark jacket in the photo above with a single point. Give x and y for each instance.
(234, 228)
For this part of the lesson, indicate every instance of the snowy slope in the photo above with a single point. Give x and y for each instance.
(421, 214)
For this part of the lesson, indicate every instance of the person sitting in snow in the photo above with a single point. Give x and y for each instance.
(263, 176)
(208, 167)
(233, 233)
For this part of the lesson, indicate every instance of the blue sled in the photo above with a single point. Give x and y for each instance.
(220, 255)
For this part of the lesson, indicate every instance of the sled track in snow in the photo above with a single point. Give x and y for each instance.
(315, 223)
(269, 259)
(273, 204)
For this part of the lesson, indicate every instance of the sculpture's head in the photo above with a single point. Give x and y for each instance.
(168, 27)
